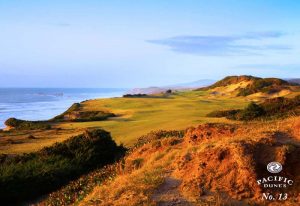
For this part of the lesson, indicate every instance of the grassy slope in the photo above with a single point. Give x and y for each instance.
(141, 115)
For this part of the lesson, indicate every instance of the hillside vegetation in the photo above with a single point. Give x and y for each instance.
(27, 176)
(272, 108)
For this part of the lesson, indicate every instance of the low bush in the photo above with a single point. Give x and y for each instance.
(252, 111)
(281, 105)
(157, 135)
(75, 114)
(224, 113)
(27, 176)
(26, 125)
(135, 95)
(87, 116)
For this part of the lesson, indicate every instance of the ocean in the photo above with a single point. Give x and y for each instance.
(45, 103)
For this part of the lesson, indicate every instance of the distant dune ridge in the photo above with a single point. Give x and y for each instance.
(182, 86)
(295, 80)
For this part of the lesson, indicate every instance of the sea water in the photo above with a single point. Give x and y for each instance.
(45, 103)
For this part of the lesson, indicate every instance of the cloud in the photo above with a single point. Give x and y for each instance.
(269, 66)
(222, 45)
(63, 24)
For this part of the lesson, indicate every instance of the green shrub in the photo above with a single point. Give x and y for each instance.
(135, 95)
(230, 114)
(245, 92)
(24, 177)
(93, 116)
(251, 112)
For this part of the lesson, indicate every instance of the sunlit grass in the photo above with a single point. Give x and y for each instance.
(136, 117)
(141, 115)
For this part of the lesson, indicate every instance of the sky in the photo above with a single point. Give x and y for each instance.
(145, 43)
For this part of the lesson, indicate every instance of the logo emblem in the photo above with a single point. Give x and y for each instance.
(274, 167)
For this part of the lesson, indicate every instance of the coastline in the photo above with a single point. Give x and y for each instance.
(40, 104)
